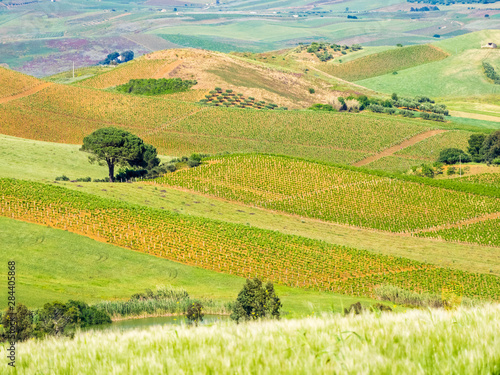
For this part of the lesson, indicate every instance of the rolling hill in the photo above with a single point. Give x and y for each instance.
(67, 113)
(459, 75)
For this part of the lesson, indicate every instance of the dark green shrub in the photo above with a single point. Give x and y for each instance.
(453, 156)
(84, 179)
(23, 318)
(406, 113)
(256, 301)
(389, 111)
(62, 178)
(311, 90)
(355, 309)
(376, 108)
(195, 313)
(427, 171)
(153, 86)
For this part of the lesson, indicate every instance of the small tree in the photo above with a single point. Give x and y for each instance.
(195, 313)
(475, 144)
(23, 320)
(491, 147)
(119, 147)
(256, 301)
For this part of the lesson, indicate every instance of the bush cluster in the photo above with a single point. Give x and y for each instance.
(491, 73)
(155, 86)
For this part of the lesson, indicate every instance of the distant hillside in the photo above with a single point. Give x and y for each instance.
(385, 62)
(286, 88)
(461, 74)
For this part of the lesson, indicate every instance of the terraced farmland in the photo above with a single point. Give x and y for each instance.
(385, 62)
(229, 248)
(330, 193)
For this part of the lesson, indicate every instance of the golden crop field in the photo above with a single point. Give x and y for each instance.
(331, 193)
(12, 82)
(231, 248)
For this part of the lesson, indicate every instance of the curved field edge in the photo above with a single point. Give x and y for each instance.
(381, 63)
(56, 265)
(464, 341)
(230, 248)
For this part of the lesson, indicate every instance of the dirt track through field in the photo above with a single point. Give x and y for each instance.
(167, 69)
(493, 216)
(391, 150)
(23, 94)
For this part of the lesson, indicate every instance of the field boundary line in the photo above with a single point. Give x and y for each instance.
(23, 94)
(474, 220)
(392, 150)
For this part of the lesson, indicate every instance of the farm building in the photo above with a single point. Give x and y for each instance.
(489, 45)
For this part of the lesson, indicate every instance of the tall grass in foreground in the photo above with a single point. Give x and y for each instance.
(166, 300)
(463, 341)
(152, 307)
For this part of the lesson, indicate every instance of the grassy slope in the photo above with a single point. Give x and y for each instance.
(50, 159)
(416, 342)
(461, 74)
(53, 264)
(385, 62)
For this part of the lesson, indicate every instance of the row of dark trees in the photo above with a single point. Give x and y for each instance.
(54, 319)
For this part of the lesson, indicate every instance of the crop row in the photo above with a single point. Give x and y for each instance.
(94, 105)
(431, 147)
(230, 248)
(330, 193)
